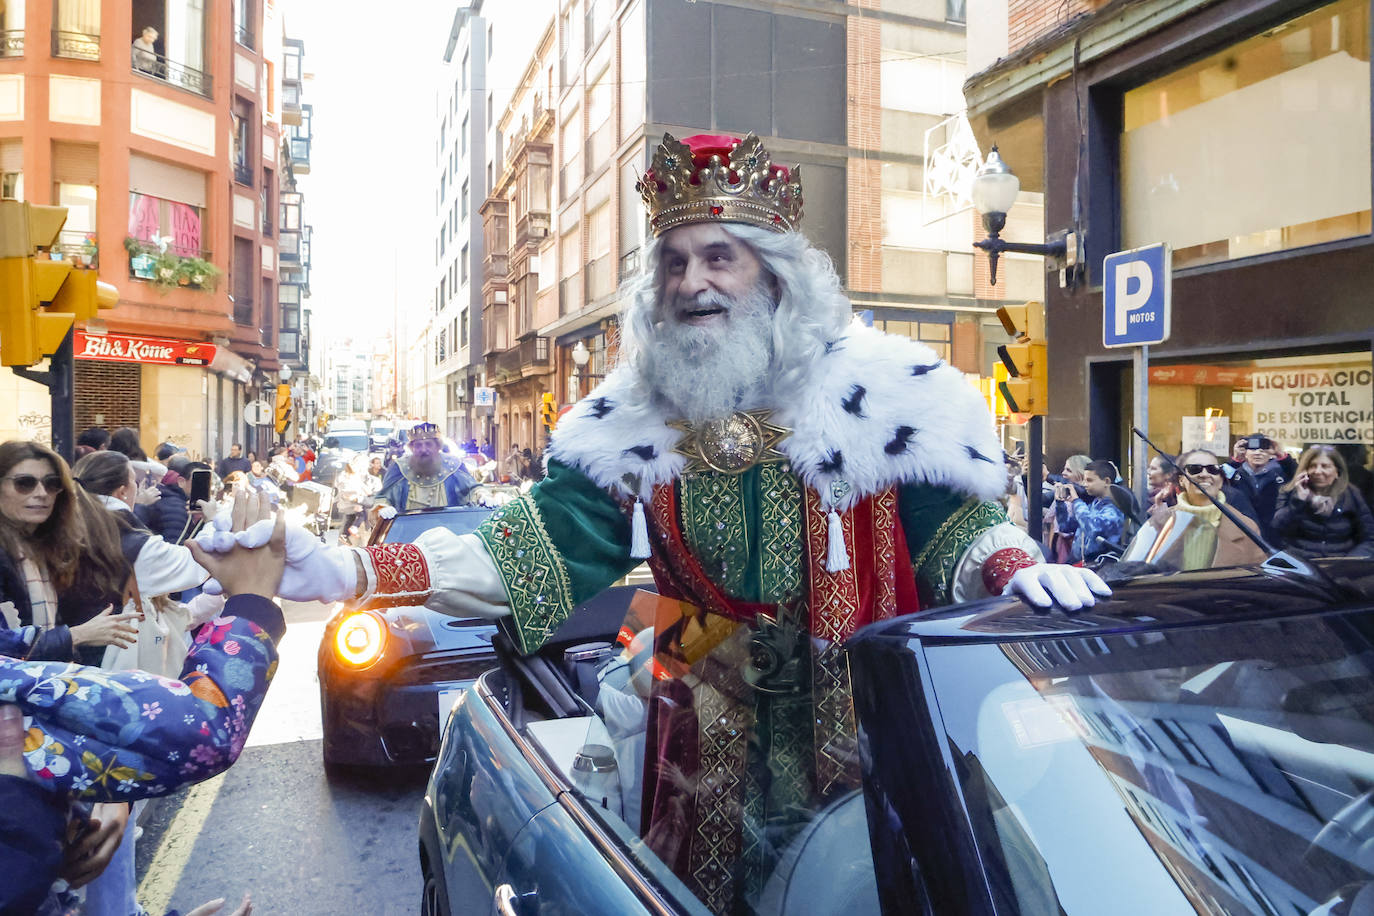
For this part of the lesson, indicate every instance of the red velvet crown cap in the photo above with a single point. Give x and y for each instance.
(704, 146)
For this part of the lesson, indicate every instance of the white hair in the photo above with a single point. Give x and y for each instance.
(812, 312)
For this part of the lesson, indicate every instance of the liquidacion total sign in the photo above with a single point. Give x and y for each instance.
(1311, 404)
(124, 348)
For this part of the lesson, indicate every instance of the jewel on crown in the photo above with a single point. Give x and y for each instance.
(423, 431)
(720, 178)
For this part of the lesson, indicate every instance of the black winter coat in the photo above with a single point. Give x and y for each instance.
(1347, 531)
(169, 515)
(53, 644)
(1262, 491)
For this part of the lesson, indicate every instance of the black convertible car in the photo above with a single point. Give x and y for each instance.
(389, 675)
(1199, 743)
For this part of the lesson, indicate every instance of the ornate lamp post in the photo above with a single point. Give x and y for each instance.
(580, 357)
(994, 192)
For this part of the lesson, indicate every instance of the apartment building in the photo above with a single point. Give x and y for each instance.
(157, 124)
(1236, 132)
(864, 95)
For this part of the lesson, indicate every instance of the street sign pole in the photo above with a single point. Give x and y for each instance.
(1141, 416)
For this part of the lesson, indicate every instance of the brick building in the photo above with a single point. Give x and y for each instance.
(166, 154)
(1238, 133)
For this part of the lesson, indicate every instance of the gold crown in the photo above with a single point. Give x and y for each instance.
(720, 178)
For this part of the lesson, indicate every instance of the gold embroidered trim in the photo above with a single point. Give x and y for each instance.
(937, 559)
(782, 559)
(532, 571)
(716, 528)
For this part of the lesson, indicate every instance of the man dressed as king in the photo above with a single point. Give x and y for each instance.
(424, 477)
(788, 472)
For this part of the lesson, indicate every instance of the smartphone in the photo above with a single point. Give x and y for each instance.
(200, 486)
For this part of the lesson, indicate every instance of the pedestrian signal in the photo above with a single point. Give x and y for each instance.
(1026, 360)
(283, 413)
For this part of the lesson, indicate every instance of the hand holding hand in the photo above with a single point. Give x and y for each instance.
(1071, 587)
(107, 629)
(242, 570)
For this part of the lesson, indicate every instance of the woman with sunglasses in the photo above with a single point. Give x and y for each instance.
(42, 539)
(1319, 513)
(1193, 533)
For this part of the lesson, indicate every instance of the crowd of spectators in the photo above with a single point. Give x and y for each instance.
(100, 590)
(1315, 504)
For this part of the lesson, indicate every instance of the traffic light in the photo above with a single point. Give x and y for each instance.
(548, 412)
(40, 298)
(1027, 389)
(283, 414)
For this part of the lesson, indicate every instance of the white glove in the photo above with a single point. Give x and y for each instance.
(387, 512)
(1045, 584)
(314, 572)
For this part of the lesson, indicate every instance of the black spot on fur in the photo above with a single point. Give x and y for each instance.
(977, 455)
(834, 464)
(900, 439)
(642, 452)
(855, 402)
(919, 371)
(833, 346)
(601, 406)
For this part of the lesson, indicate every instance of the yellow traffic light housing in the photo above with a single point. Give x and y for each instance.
(40, 298)
(283, 412)
(548, 412)
(1026, 360)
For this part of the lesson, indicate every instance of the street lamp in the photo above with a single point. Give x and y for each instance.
(285, 374)
(994, 192)
(580, 357)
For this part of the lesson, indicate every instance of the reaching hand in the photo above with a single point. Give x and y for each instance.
(214, 906)
(1045, 584)
(248, 570)
(107, 629)
(88, 856)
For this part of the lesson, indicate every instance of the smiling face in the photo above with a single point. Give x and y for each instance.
(29, 510)
(1206, 480)
(702, 263)
(1321, 473)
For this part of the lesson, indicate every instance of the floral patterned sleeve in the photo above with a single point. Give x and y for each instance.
(124, 735)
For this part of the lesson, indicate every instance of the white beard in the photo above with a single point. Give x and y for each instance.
(707, 373)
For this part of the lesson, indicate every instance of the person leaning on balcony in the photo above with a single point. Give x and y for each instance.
(145, 55)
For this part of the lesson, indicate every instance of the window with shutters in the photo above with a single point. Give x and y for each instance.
(76, 174)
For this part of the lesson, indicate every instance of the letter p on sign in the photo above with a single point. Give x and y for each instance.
(1135, 297)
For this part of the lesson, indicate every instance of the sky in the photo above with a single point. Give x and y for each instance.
(370, 192)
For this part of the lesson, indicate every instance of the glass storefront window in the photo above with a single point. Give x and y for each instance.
(1258, 148)
(1296, 400)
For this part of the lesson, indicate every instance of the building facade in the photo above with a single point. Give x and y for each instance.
(1236, 132)
(157, 125)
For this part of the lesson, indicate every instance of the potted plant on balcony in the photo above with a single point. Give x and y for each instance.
(165, 269)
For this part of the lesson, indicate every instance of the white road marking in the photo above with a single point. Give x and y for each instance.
(179, 840)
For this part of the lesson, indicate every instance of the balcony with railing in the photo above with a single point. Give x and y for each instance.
(243, 34)
(243, 173)
(160, 67)
(11, 43)
(75, 45)
(527, 357)
(76, 247)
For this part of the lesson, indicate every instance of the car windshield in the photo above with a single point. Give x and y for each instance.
(351, 440)
(1223, 769)
(406, 528)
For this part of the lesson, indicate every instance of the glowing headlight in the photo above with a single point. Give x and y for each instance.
(360, 639)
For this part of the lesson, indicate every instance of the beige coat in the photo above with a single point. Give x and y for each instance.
(1160, 542)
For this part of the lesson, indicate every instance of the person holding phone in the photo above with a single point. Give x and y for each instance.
(1320, 513)
(1261, 470)
(1096, 523)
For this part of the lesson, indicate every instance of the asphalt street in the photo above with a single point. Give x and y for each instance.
(275, 827)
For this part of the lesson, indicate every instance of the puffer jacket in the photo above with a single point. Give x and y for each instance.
(1347, 531)
(169, 516)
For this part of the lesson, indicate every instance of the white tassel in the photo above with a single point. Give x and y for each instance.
(837, 555)
(639, 534)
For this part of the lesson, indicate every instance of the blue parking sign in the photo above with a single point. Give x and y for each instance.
(1136, 293)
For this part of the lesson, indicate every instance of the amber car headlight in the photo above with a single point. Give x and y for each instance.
(360, 639)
